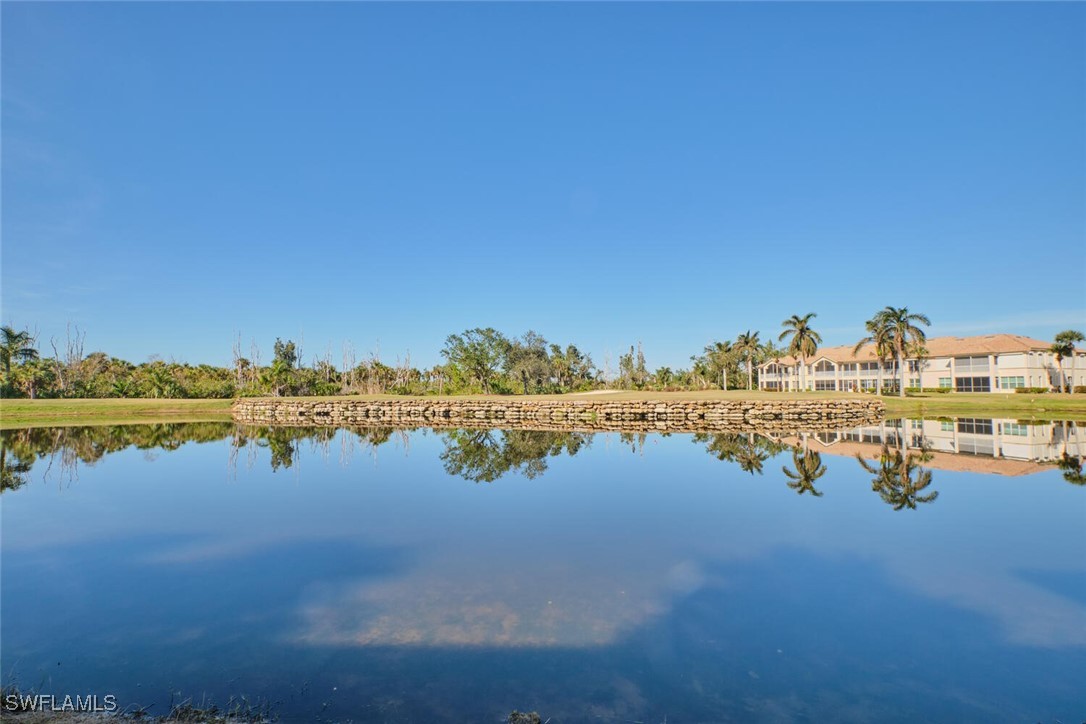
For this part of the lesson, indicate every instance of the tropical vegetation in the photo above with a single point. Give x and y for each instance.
(803, 342)
(475, 361)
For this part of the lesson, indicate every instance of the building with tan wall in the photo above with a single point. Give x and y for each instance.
(987, 363)
(981, 445)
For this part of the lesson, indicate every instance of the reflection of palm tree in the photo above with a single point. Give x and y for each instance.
(899, 478)
(749, 451)
(808, 469)
(1071, 465)
(13, 473)
(751, 458)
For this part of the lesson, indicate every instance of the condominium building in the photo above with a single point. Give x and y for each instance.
(988, 363)
(1000, 446)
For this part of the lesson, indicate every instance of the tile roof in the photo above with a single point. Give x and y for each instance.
(939, 347)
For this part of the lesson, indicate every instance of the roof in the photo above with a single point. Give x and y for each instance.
(937, 347)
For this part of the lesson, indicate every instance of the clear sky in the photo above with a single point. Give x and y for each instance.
(176, 173)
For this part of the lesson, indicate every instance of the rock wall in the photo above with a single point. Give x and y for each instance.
(580, 414)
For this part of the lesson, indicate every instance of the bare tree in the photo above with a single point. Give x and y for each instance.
(67, 365)
(350, 361)
(238, 367)
(254, 357)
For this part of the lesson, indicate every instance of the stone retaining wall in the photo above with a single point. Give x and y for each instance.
(510, 412)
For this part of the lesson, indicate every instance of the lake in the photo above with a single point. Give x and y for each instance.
(911, 571)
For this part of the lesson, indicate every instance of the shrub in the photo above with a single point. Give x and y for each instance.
(1031, 390)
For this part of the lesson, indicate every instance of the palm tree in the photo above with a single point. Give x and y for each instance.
(717, 355)
(1064, 346)
(1071, 465)
(899, 478)
(752, 454)
(664, 375)
(878, 335)
(747, 345)
(902, 336)
(15, 346)
(808, 469)
(804, 340)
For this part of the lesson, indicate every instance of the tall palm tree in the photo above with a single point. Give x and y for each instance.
(1064, 346)
(808, 468)
(15, 346)
(804, 340)
(903, 335)
(748, 345)
(718, 354)
(878, 335)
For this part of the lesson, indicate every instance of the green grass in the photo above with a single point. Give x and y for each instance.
(24, 413)
(1014, 406)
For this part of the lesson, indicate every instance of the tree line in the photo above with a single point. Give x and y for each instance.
(479, 360)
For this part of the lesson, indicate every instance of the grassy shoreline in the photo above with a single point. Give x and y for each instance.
(28, 413)
(59, 413)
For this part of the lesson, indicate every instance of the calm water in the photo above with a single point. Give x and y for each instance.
(384, 575)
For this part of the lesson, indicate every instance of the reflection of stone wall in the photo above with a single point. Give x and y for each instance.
(564, 414)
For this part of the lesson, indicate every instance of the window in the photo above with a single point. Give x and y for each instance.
(824, 385)
(824, 366)
(914, 382)
(968, 365)
(944, 382)
(1013, 428)
(973, 384)
(946, 426)
(976, 446)
(1011, 383)
(975, 426)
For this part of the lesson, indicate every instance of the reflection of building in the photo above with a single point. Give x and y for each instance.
(1003, 447)
(990, 363)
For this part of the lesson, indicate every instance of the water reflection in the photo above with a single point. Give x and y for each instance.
(749, 450)
(645, 579)
(807, 467)
(1071, 465)
(899, 478)
(483, 456)
(893, 451)
(65, 448)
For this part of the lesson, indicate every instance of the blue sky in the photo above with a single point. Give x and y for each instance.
(174, 174)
